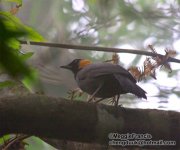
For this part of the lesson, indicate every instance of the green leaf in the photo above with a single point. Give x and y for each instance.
(35, 143)
(13, 24)
(33, 35)
(31, 80)
(11, 62)
(9, 17)
(4, 138)
(14, 44)
(15, 1)
(10, 30)
(7, 83)
(26, 56)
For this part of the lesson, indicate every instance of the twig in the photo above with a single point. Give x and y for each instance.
(98, 48)
(20, 138)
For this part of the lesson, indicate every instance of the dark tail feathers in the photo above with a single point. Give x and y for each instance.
(139, 92)
(129, 86)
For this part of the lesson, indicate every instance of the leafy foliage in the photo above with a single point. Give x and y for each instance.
(6, 83)
(11, 58)
(13, 61)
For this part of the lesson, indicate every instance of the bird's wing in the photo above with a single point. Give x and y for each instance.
(129, 86)
(102, 69)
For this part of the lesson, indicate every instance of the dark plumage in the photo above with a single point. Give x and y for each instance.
(104, 80)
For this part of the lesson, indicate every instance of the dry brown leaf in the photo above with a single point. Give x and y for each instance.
(161, 61)
(115, 58)
(152, 49)
(15, 10)
(136, 72)
(149, 68)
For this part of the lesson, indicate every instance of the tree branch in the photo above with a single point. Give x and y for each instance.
(84, 122)
(96, 48)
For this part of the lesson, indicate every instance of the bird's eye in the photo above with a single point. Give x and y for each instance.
(76, 61)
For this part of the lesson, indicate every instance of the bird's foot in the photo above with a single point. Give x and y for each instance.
(72, 94)
(90, 99)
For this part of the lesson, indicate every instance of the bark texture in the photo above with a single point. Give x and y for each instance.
(85, 122)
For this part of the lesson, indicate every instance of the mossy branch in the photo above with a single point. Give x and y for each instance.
(59, 118)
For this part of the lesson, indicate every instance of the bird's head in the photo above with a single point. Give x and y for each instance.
(76, 65)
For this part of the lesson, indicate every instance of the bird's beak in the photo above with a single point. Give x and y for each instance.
(66, 67)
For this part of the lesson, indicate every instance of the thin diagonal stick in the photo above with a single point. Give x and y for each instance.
(98, 48)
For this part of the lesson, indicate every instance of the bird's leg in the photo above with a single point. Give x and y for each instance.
(92, 96)
(99, 100)
(117, 100)
(116, 105)
(112, 100)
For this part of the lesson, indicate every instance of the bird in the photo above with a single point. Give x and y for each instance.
(104, 80)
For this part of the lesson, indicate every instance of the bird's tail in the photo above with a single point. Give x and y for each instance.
(139, 92)
(131, 87)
